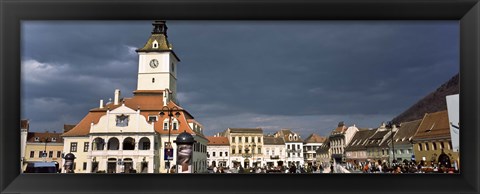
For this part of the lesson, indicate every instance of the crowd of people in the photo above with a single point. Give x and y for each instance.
(403, 167)
(292, 168)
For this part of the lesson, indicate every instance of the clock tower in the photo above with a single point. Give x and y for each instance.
(157, 63)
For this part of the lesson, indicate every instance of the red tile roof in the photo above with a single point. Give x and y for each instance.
(149, 103)
(314, 138)
(42, 136)
(217, 140)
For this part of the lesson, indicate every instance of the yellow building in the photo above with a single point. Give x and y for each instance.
(432, 142)
(43, 147)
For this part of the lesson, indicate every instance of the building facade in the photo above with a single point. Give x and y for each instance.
(136, 134)
(218, 152)
(402, 145)
(41, 147)
(339, 139)
(356, 150)
(293, 146)
(274, 151)
(378, 144)
(432, 141)
(246, 145)
(310, 146)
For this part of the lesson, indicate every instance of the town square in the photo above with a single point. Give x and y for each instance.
(157, 127)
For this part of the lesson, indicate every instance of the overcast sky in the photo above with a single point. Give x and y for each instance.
(303, 75)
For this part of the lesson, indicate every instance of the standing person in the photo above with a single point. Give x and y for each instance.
(379, 166)
(215, 169)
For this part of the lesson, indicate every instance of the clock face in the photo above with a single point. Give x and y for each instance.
(154, 63)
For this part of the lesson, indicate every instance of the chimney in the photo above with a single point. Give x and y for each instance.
(117, 97)
(101, 103)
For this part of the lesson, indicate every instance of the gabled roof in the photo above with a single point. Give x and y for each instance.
(406, 131)
(314, 138)
(245, 130)
(433, 126)
(360, 140)
(286, 134)
(44, 135)
(269, 140)
(216, 141)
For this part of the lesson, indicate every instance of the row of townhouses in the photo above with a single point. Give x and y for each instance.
(427, 139)
(250, 147)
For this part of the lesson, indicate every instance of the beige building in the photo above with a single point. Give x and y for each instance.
(339, 139)
(324, 154)
(246, 145)
(432, 141)
(41, 147)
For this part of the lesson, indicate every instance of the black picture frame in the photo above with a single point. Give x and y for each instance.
(12, 12)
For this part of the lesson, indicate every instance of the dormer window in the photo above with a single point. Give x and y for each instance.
(295, 137)
(37, 139)
(175, 124)
(54, 139)
(165, 124)
(155, 44)
(290, 137)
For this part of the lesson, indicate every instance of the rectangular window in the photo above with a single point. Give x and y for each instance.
(152, 118)
(84, 166)
(426, 146)
(260, 140)
(59, 154)
(420, 147)
(233, 139)
(174, 126)
(213, 154)
(233, 150)
(221, 153)
(40, 154)
(85, 147)
(73, 147)
(442, 145)
(226, 153)
(50, 154)
(259, 150)
(239, 139)
(246, 139)
(434, 145)
(165, 126)
(32, 154)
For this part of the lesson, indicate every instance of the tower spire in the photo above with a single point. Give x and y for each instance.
(159, 27)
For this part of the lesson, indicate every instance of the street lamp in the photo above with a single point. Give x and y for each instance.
(168, 145)
(45, 149)
(390, 125)
(253, 151)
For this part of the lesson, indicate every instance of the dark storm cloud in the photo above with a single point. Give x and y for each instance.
(247, 74)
